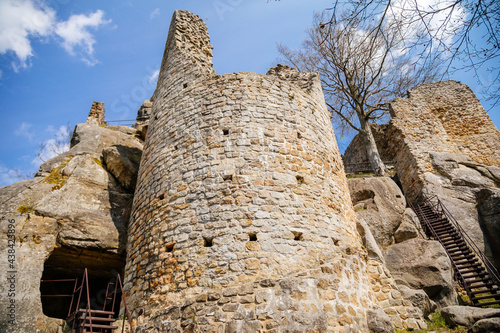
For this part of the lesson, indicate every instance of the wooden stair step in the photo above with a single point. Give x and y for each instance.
(487, 303)
(469, 270)
(478, 298)
(101, 326)
(98, 311)
(468, 261)
(465, 265)
(466, 277)
(488, 288)
(94, 318)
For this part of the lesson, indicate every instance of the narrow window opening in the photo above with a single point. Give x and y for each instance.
(208, 241)
(297, 235)
(185, 85)
(162, 196)
(300, 180)
(252, 237)
(225, 131)
(170, 247)
(299, 136)
(228, 177)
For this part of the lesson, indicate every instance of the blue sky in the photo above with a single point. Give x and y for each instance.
(58, 56)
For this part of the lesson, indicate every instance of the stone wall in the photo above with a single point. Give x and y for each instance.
(96, 114)
(355, 153)
(241, 182)
(441, 117)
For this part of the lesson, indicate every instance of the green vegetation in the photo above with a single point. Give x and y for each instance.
(29, 203)
(97, 161)
(56, 177)
(437, 324)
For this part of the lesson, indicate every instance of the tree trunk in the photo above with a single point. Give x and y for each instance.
(371, 148)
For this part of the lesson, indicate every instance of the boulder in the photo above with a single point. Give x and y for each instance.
(409, 227)
(418, 298)
(467, 315)
(423, 264)
(369, 242)
(378, 321)
(91, 138)
(491, 325)
(123, 162)
(380, 202)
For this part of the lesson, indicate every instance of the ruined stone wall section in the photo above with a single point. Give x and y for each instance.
(442, 117)
(96, 114)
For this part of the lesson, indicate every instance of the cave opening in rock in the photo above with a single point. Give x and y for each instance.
(69, 263)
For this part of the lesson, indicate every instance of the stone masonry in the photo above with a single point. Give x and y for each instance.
(242, 219)
(96, 114)
(443, 117)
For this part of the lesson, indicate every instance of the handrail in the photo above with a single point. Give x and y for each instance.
(488, 265)
(58, 280)
(85, 282)
(125, 304)
(429, 226)
(349, 168)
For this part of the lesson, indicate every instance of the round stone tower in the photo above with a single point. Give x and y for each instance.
(242, 217)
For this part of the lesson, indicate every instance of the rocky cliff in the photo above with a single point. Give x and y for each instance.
(73, 214)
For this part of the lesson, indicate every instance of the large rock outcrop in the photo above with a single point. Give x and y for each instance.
(72, 215)
(423, 264)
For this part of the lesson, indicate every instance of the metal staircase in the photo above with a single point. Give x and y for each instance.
(81, 317)
(474, 272)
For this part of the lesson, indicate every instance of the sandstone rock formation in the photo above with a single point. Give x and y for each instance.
(423, 264)
(443, 143)
(416, 264)
(73, 214)
(467, 316)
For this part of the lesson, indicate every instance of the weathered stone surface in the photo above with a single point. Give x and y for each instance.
(423, 264)
(123, 162)
(491, 325)
(409, 227)
(74, 214)
(467, 315)
(369, 241)
(380, 202)
(489, 219)
(378, 321)
(418, 298)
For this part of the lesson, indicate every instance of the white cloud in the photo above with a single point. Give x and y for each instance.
(24, 130)
(443, 24)
(154, 13)
(154, 77)
(52, 147)
(76, 36)
(21, 20)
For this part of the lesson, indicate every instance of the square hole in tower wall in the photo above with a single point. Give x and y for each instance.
(208, 241)
(252, 237)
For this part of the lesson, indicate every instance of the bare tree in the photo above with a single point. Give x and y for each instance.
(56, 146)
(465, 33)
(363, 65)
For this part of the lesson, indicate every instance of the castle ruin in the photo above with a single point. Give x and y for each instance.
(242, 219)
